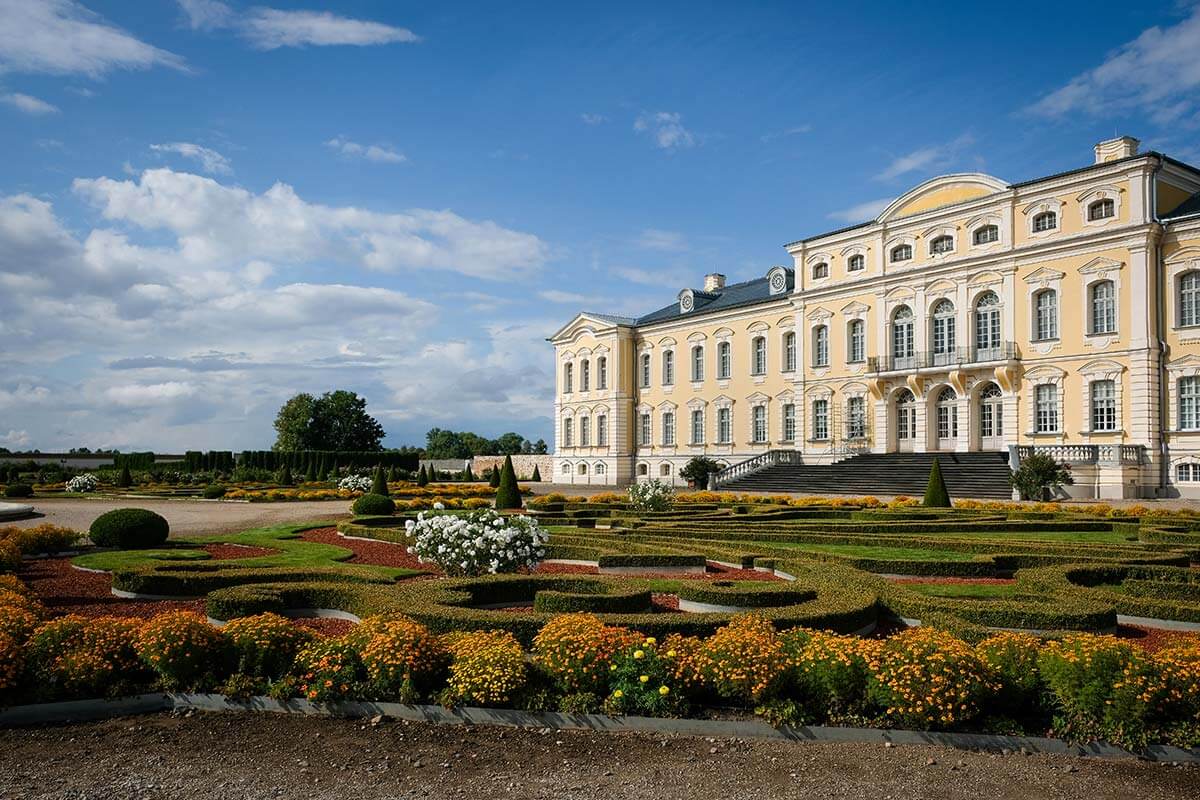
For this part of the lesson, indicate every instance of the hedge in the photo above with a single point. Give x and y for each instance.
(129, 529)
(200, 578)
(652, 560)
(602, 600)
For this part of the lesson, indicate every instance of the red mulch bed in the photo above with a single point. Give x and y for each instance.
(66, 590)
(384, 554)
(1153, 639)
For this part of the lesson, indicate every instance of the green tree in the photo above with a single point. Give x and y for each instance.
(379, 482)
(336, 420)
(422, 476)
(494, 478)
(936, 495)
(293, 423)
(698, 469)
(467, 474)
(477, 445)
(540, 447)
(1039, 475)
(285, 476)
(508, 444)
(440, 443)
(508, 494)
(124, 480)
(537, 475)
(311, 475)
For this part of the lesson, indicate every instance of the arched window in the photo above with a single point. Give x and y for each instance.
(568, 378)
(1189, 299)
(986, 234)
(1103, 307)
(789, 351)
(902, 335)
(758, 416)
(723, 361)
(644, 470)
(991, 412)
(1189, 403)
(602, 372)
(697, 426)
(902, 252)
(645, 371)
(856, 341)
(585, 375)
(758, 349)
(600, 468)
(943, 328)
(1104, 406)
(1045, 221)
(1188, 472)
(821, 346)
(668, 366)
(820, 270)
(941, 245)
(820, 419)
(697, 364)
(664, 470)
(947, 414)
(568, 433)
(906, 415)
(1101, 209)
(987, 325)
(856, 263)
(1045, 321)
(566, 469)
(583, 469)
(585, 432)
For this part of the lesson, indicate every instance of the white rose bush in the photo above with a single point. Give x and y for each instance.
(87, 482)
(355, 483)
(479, 543)
(653, 495)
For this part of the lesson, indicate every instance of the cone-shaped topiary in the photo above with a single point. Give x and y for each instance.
(393, 474)
(936, 495)
(311, 475)
(285, 476)
(422, 476)
(508, 494)
(537, 475)
(467, 474)
(125, 480)
(379, 482)
(494, 478)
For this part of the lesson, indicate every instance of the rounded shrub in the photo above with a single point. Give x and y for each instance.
(129, 529)
(12, 663)
(374, 505)
(184, 650)
(213, 491)
(18, 490)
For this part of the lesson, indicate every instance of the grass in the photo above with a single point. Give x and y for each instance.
(294, 552)
(878, 552)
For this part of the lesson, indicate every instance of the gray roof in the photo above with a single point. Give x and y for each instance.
(735, 295)
(1185, 209)
(615, 320)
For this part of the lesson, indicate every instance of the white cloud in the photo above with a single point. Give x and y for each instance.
(654, 277)
(62, 37)
(666, 129)
(861, 212)
(28, 104)
(556, 296)
(793, 131)
(926, 158)
(593, 119)
(1158, 72)
(271, 28)
(210, 160)
(222, 226)
(149, 394)
(656, 239)
(15, 439)
(371, 152)
(206, 14)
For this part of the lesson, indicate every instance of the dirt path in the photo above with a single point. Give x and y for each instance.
(267, 756)
(188, 517)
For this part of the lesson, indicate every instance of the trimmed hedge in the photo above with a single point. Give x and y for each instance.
(18, 490)
(602, 600)
(745, 594)
(650, 560)
(199, 578)
(129, 529)
(374, 505)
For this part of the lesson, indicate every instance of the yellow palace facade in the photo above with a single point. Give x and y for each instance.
(1058, 314)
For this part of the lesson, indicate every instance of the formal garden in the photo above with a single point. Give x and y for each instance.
(1079, 622)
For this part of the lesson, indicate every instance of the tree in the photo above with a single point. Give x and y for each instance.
(477, 445)
(285, 476)
(494, 478)
(508, 494)
(698, 469)
(936, 494)
(1039, 475)
(441, 443)
(393, 474)
(125, 480)
(540, 447)
(311, 475)
(336, 420)
(379, 482)
(508, 444)
(467, 474)
(537, 475)
(422, 476)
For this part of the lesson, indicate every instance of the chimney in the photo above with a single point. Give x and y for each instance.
(1112, 149)
(714, 282)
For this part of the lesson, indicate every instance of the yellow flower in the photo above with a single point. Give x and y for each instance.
(651, 640)
(671, 654)
(618, 694)
(664, 691)
(638, 654)
(643, 678)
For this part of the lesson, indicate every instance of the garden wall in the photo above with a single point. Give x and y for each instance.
(522, 464)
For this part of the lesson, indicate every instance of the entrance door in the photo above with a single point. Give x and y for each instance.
(991, 418)
(906, 421)
(947, 420)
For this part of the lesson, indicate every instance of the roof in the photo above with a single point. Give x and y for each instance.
(735, 295)
(1185, 209)
(614, 319)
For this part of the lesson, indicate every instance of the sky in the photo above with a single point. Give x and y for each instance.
(207, 207)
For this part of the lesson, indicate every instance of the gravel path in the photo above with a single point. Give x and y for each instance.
(265, 756)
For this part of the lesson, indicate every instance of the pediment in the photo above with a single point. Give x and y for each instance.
(1100, 265)
(855, 308)
(1044, 275)
(946, 190)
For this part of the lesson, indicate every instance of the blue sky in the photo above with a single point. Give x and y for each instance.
(208, 206)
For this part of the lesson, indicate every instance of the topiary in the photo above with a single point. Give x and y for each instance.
(537, 476)
(508, 495)
(18, 490)
(936, 494)
(374, 505)
(311, 475)
(422, 477)
(129, 529)
(494, 478)
(213, 491)
(124, 480)
(379, 482)
(285, 476)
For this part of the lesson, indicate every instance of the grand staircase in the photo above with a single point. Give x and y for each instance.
(983, 475)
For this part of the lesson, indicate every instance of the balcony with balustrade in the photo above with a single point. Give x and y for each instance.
(953, 358)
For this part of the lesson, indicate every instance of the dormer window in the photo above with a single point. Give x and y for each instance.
(1046, 221)
(1101, 209)
(856, 263)
(820, 270)
(941, 245)
(987, 234)
(902, 252)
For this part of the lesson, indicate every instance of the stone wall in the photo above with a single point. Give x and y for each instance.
(522, 464)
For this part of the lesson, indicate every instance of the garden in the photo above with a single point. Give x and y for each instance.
(1079, 622)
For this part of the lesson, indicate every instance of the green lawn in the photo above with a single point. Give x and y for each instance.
(293, 552)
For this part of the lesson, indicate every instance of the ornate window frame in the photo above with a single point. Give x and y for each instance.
(1177, 265)
(1186, 366)
(777, 281)
(1037, 282)
(1102, 370)
(1051, 375)
(1042, 206)
(694, 405)
(759, 400)
(982, 221)
(1095, 271)
(937, 232)
(851, 252)
(889, 249)
(1106, 192)
(723, 403)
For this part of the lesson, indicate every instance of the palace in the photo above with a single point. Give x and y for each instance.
(1058, 314)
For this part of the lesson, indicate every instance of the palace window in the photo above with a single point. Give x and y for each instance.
(1046, 315)
(568, 378)
(856, 263)
(821, 346)
(724, 426)
(1189, 299)
(697, 364)
(600, 468)
(987, 322)
(991, 412)
(820, 270)
(566, 469)
(947, 414)
(856, 340)
(1189, 403)
(585, 375)
(602, 430)
(758, 416)
(643, 470)
(602, 372)
(986, 235)
(856, 418)
(585, 432)
(568, 433)
(1046, 408)
(820, 419)
(668, 424)
(1046, 221)
(1103, 307)
(941, 245)
(789, 351)
(1101, 209)
(723, 360)
(943, 328)
(902, 333)
(1104, 406)
(759, 349)
(644, 430)
(697, 426)
(906, 415)
(1187, 472)
(645, 371)
(901, 252)
(789, 422)
(668, 358)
